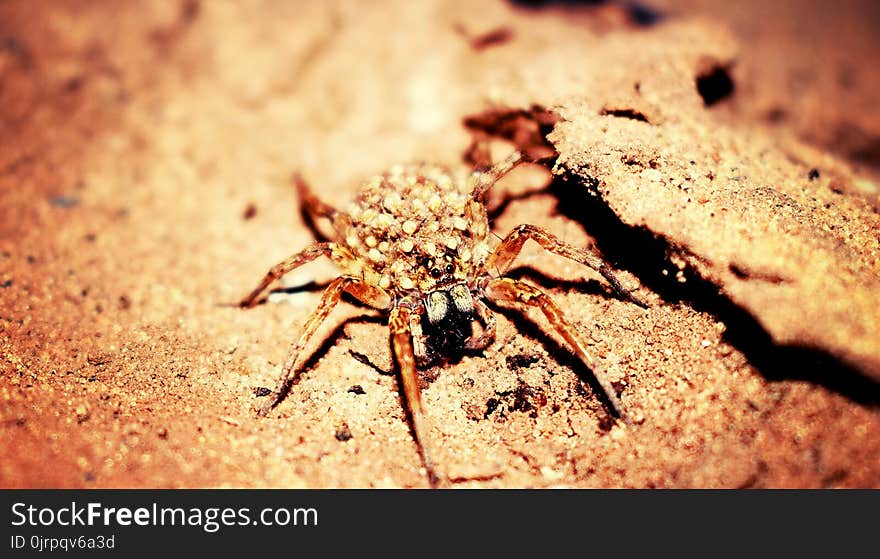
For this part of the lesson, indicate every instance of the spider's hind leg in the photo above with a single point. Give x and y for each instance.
(314, 208)
(311, 204)
(483, 180)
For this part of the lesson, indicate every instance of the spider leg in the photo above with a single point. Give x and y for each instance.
(306, 255)
(315, 208)
(401, 341)
(489, 324)
(310, 202)
(483, 181)
(507, 290)
(500, 259)
(364, 292)
(479, 154)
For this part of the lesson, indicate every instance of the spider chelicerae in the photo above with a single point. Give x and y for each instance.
(416, 244)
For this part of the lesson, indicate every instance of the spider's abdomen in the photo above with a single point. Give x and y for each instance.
(412, 221)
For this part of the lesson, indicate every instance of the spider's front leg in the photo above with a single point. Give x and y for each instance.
(483, 180)
(507, 290)
(402, 343)
(500, 259)
(364, 292)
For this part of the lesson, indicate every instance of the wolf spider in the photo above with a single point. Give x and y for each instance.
(415, 243)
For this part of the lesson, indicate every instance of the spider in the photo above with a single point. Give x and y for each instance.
(416, 244)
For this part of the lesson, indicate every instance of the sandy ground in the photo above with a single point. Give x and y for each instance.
(724, 159)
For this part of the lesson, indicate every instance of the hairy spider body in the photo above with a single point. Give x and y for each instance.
(420, 235)
(415, 243)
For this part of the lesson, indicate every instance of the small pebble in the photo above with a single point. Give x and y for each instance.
(64, 201)
(343, 433)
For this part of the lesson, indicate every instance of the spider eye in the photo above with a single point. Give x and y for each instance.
(450, 268)
(436, 273)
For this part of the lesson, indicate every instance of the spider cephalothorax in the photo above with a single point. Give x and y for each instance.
(415, 243)
(447, 323)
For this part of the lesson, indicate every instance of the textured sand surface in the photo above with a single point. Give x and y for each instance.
(724, 160)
